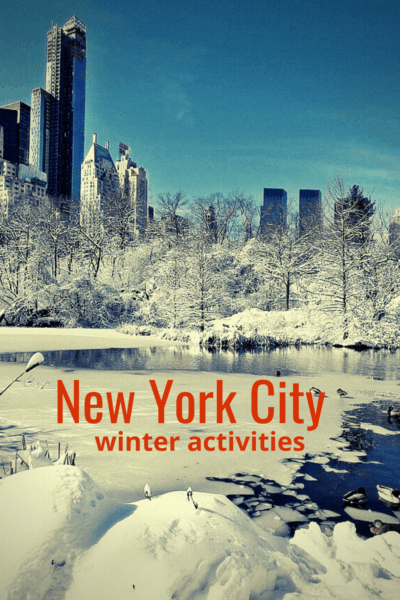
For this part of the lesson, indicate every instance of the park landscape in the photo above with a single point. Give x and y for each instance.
(199, 395)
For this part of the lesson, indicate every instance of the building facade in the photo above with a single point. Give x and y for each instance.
(57, 131)
(116, 186)
(8, 125)
(39, 149)
(133, 185)
(210, 227)
(273, 211)
(19, 182)
(310, 212)
(99, 185)
(15, 121)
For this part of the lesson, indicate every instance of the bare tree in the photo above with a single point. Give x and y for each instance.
(222, 219)
(281, 256)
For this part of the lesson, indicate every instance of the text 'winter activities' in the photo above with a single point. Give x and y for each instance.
(292, 405)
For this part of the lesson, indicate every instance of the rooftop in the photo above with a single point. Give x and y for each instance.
(74, 22)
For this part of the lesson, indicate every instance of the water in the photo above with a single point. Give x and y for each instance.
(379, 466)
(302, 360)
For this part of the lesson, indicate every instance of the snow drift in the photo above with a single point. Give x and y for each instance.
(63, 538)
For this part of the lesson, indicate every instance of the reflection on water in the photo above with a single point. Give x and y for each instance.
(304, 360)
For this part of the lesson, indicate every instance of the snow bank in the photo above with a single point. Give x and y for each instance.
(63, 538)
(256, 328)
(28, 339)
(354, 569)
(48, 515)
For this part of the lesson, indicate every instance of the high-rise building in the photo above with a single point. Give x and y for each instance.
(100, 184)
(15, 120)
(18, 179)
(310, 212)
(274, 210)
(8, 124)
(59, 123)
(18, 182)
(133, 186)
(106, 185)
(39, 150)
(210, 223)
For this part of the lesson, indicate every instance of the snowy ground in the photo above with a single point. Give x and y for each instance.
(28, 339)
(65, 538)
(166, 548)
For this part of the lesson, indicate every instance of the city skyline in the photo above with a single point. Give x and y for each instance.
(239, 100)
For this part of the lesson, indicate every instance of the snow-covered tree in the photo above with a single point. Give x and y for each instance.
(280, 259)
(343, 252)
(204, 287)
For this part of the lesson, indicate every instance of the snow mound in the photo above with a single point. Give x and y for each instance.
(47, 516)
(355, 569)
(168, 549)
(63, 538)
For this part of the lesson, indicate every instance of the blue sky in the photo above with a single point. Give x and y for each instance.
(216, 97)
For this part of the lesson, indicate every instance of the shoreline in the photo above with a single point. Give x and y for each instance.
(246, 330)
(28, 339)
(259, 329)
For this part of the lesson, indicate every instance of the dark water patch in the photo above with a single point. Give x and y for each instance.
(303, 360)
(333, 479)
(379, 466)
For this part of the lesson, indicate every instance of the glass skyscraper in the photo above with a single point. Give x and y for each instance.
(39, 151)
(58, 113)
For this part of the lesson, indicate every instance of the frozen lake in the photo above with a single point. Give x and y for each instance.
(355, 444)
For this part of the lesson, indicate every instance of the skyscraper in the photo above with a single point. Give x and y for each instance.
(274, 210)
(8, 125)
(58, 125)
(107, 187)
(394, 233)
(100, 185)
(39, 151)
(310, 212)
(133, 185)
(15, 120)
